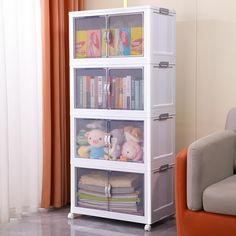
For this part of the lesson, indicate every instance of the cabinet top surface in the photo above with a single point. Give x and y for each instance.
(116, 10)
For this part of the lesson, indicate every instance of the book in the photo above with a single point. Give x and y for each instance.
(136, 41)
(132, 94)
(81, 44)
(80, 91)
(92, 93)
(103, 42)
(136, 94)
(124, 93)
(87, 91)
(123, 45)
(141, 92)
(94, 43)
(100, 91)
(113, 42)
(84, 92)
(128, 91)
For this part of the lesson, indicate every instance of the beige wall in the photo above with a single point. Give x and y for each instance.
(206, 62)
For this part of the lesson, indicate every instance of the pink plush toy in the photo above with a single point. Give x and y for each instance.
(131, 151)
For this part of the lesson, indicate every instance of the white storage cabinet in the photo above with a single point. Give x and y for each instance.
(122, 92)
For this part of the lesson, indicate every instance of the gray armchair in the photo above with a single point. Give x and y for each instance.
(211, 164)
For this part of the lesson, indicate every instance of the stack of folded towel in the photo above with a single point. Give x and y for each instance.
(125, 192)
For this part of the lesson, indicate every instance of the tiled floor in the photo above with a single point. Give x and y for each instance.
(55, 222)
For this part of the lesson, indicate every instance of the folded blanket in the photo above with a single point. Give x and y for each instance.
(99, 178)
(104, 199)
(100, 189)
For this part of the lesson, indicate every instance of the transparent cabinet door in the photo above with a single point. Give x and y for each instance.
(126, 193)
(110, 190)
(125, 36)
(90, 138)
(90, 87)
(92, 189)
(89, 37)
(126, 143)
(127, 89)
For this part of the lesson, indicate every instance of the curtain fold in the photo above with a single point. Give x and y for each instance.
(20, 108)
(56, 107)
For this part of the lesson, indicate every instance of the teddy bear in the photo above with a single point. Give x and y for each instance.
(96, 143)
(131, 151)
(133, 134)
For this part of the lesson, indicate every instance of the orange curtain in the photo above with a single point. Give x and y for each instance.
(56, 109)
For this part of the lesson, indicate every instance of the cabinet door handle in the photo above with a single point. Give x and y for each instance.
(109, 139)
(108, 88)
(105, 191)
(109, 190)
(105, 139)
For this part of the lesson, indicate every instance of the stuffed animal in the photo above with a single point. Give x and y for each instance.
(131, 151)
(83, 151)
(82, 139)
(133, 134)
(97, 143)
(116, 141)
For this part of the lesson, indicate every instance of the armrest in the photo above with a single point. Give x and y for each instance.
(209, 160)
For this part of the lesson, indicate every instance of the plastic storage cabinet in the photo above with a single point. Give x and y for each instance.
(122, 91)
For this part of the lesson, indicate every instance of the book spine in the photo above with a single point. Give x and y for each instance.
(104, 99)
(141, 92)
(124, 93)
(136, 103)
(117, 92)
(120, 93)
(113, 94)
(84, 92)
(87, 91)
(100, 91)
(132, 94)
(96, 92)
(92, 93)
(128, 92)
(80, 82)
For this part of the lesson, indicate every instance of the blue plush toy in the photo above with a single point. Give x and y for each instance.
(97, 143)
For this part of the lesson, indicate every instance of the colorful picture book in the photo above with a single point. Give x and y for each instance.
(81, 44)
(94, 43)
(121, 42)
(126, 92)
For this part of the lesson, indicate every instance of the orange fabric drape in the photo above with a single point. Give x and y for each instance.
(56, 109)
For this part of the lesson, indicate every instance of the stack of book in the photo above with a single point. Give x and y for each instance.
(126, 92)
(125, 192)
(121, 42)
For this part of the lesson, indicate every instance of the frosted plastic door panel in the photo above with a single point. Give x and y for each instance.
(91, 186)
(162, 193)
(162, 140)
(127, 141)
(163, 35)
(126, 193)
(127, 89)
(89, 34)
(125, 35)
(163, 86)
(90, 141)
(90, 87)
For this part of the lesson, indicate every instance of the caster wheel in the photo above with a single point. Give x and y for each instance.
(147, 227)
(71, 215)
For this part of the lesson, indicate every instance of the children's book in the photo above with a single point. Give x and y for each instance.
(136, 44)
(94, 43)
(123, 47)
(81, 44)
(103, 40)
(113, 38)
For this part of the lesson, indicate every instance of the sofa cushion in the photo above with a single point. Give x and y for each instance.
(221, 197)
(231, 125)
